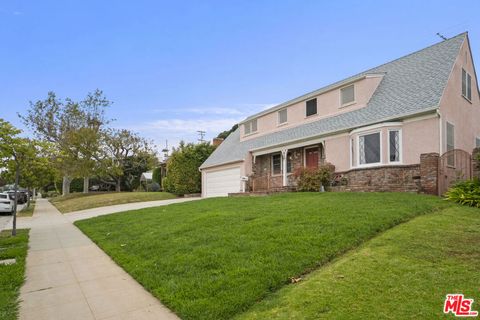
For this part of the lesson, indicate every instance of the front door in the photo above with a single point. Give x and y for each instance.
(311, 158)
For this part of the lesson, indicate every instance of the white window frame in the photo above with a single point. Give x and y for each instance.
(249, 124)
(271, 164)
(376, 164)
(400, 149)
(468, 85)
(354, 96)
(278, 117)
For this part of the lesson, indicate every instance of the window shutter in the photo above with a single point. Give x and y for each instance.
(254, 125)
(464, 83)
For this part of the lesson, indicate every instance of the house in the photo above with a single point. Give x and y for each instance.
(383, 129)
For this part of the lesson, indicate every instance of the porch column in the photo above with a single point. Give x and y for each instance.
(284, 167)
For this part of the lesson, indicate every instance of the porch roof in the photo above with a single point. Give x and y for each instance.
(412, 85)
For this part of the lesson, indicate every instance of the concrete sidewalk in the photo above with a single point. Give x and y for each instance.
(69, 277)
(94, 212)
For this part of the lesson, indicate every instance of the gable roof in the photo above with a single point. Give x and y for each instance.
(413, 84)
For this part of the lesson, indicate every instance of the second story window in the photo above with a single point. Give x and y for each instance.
(311, 107)
(466, 85)
(477, 142)
(347, 95)
(282, 116)
(250, 126)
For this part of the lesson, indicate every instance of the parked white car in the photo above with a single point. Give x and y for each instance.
(6, 205)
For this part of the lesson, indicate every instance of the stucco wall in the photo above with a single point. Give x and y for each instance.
(454, 108)
(328, 104)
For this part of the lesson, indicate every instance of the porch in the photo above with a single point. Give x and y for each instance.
(274, 171)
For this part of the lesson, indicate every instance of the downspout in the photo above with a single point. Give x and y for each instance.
(440, 127)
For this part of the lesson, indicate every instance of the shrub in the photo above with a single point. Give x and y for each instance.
(183, 175)
(309, 179)
(154, 187)
(156, 175)
(466, 193)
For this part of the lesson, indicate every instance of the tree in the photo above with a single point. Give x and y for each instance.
(12, 149)
(157, 175)
(183, 175)
(74, 128)
(35, 168)
(125, 156)
(226, 133)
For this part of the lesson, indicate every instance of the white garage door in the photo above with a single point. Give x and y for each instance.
(221, 183)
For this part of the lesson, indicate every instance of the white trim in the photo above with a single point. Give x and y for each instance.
(220, 165)
(359, 165)
(262, 151)
(377, 126)
(400, 144)
(284, 167)
(271, 164)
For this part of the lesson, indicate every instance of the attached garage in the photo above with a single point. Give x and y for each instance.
(220, 183)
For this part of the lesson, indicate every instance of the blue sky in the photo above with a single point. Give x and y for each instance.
(176, 67)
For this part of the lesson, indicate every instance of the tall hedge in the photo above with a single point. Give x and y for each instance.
(156, 175)
(183, 175)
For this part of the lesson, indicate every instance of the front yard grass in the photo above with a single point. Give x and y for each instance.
(215, 258)
(12, 276)
(404, 273)
(82, 201)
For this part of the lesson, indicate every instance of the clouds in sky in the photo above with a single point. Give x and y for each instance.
(176, 125)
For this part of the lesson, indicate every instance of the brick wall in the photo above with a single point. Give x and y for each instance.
(429, 173)
(476, 163)
(386, 178)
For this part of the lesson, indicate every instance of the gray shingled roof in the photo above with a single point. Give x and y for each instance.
(412, 84)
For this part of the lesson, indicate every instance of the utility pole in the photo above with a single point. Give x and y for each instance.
(202, 135)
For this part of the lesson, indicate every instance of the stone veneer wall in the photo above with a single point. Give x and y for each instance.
(385, 178)
(476, 163)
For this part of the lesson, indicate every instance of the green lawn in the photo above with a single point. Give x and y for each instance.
(27, 212)
(12, 276)
(404, 273)
(215, 258)
(82, 201)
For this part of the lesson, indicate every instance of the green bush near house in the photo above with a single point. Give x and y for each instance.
(182, 167)
(310, 179)
(466, 193)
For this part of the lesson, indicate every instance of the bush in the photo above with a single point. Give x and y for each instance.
(466, 193)
(183, 175)
(309, 179)
(154, 187)
(156, 175)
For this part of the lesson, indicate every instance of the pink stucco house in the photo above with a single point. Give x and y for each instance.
(373, 127)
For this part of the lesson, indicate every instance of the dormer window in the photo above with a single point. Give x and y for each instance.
(466, 85)
(347, 95)
(250, 126)
(311, 107)
(282, 116)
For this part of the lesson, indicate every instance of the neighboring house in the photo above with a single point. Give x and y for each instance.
(373, 127)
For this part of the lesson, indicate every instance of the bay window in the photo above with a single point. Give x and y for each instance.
(369, 148)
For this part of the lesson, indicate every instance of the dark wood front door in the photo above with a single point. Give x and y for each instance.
(311, 158)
